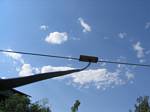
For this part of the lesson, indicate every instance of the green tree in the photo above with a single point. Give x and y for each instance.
(75, 107)
(142, 104)
(20, 103)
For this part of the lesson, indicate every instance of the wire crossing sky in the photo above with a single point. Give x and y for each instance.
(73, 58)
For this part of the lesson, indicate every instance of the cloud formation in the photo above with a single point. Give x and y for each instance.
(86, 27)
(129, 75)
(139, 49)
(147, 26)
(26, 70)
(122, 35)
(15, 56)
(49, 68)
(44, 27)
(100, 78)
(56, 38)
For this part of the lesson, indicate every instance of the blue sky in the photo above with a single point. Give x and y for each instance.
(112, 30)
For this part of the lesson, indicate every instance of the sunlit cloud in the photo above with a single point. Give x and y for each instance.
(15, 56)
(147, 26)
(99, 78)
(86, 27)
(56, 38)
(139, 50)
(44, 27)
(26, 70)
(49, 68)
(129, 75)
(122, 35)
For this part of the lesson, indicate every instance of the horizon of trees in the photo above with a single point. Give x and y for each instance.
(20, 103)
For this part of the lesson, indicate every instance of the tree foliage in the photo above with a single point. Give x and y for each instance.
(20, 103)
(142, 104)
(75, 107)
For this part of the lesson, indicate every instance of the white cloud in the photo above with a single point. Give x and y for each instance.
(142, 60)
(36, 70)
(2, 77)
(44, 27)
(75, 38)
(15, 56)
(49, 68)
(121, 59)
(57, 38)
(26, 70)
(100, 78)
(122, 35)
(129, 75)
(139, 49)
(86, 27)
(147, 26)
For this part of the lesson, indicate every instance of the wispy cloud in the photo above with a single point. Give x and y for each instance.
(147, 25)
(57, 37)
(142, 60)
(121, 59)
(122, 35)
(44, 27)
(86, 27)
(139, 49)
(15, 56)
(129, 75)
(27, 70)
(75, 38)
(100, 78)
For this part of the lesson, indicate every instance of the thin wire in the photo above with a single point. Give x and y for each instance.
(73, 58)
(37, 54)
(124, 63)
